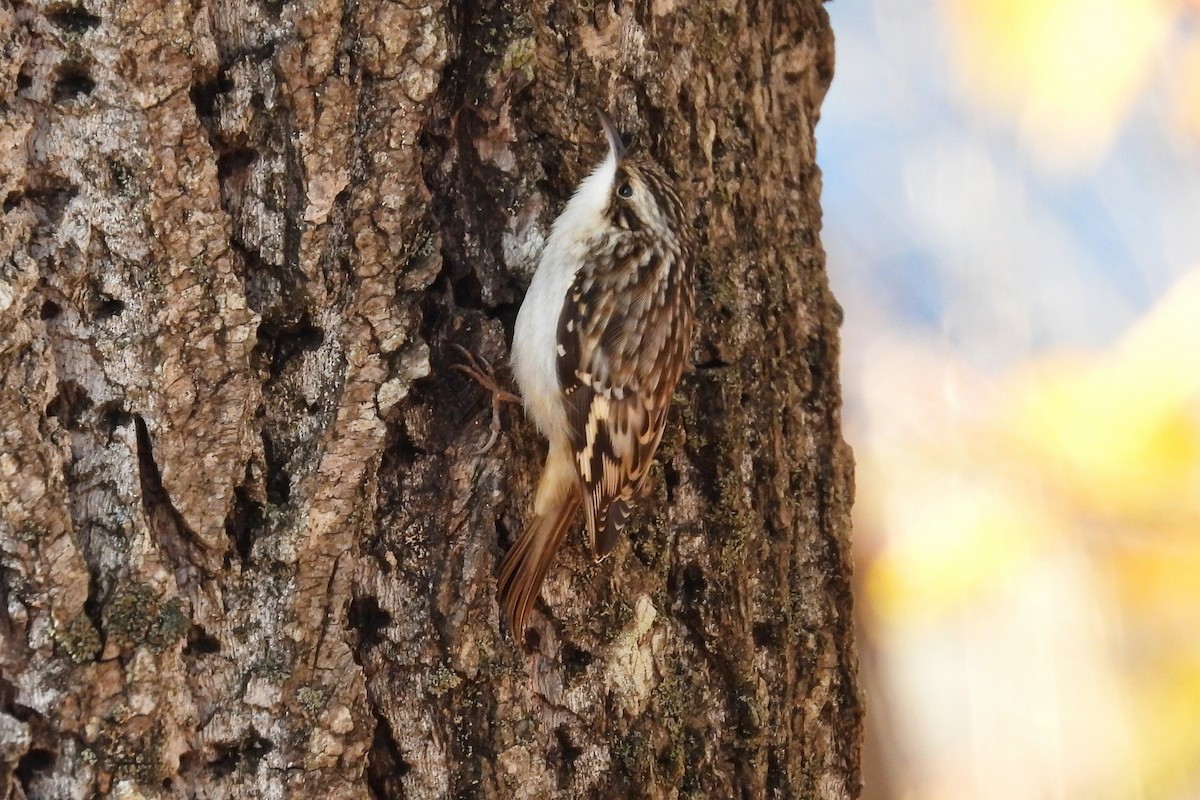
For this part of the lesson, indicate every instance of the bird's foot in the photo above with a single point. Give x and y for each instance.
(479, 370)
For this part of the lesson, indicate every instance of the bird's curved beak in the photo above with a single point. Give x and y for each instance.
(615, 145)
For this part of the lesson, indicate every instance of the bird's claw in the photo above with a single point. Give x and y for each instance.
(480, 371)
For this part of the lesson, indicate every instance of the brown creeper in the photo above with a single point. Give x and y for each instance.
(600, 342)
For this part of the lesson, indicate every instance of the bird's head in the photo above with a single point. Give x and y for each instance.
(637, 195)
(640, 194)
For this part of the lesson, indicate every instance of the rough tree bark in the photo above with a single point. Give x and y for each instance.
(247, 549)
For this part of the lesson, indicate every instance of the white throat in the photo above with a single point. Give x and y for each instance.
(535, 339)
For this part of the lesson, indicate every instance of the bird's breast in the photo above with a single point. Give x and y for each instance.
(535, 339)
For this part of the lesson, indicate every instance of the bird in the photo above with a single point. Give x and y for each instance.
(600, 342)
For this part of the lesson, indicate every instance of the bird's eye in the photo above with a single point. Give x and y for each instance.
(625, 190)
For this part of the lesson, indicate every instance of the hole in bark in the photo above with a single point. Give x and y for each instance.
(568, 753)
(507, 314)
(533, 639)
(386, 766)
(24, 80)
(669, 763)
(105, 307)
(69, 405)
(92, 606)
(53, 201)
(694, 584)
(278, 482)
(111, 416)
(226, 761)
(685, 98)
(234, 162)
(12, 201)
(368, 618)
(502, 533)
(37, 760)
(200, 643)
(50, 310)
(718, 148)
(283, 341)
(766, 634)
(73, 82)
(24, 713)
(575, 660)
(468, 291)
(434, 315)
(670, 481)
(255, 747)
(204, 95)
(73, 19)
(244, 520)
(341, 200)
(244, 754)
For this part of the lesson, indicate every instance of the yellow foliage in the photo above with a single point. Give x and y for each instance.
(1167, 703)
(951, 538)
(1067, 70)
(1073, 484)
(1120, 434)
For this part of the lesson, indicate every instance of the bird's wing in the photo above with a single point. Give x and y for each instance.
(621, 349)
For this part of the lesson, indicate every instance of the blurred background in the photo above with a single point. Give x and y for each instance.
(1012, 218)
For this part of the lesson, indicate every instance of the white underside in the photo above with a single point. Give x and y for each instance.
(535, 339)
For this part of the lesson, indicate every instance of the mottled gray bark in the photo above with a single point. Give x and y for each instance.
(246, 548)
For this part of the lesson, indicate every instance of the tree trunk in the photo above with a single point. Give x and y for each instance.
(248, 549)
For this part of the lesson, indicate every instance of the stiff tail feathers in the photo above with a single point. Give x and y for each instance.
(526, 564)
(606, 528)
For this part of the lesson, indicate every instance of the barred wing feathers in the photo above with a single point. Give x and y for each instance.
(623, 339)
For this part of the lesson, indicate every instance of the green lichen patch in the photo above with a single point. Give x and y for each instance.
(275, 666)
(616, 615)
(313, 700)
(132, 749)
(79, 639)
(635, 754)
(519, 56)
(136, 617)
(442, 680)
